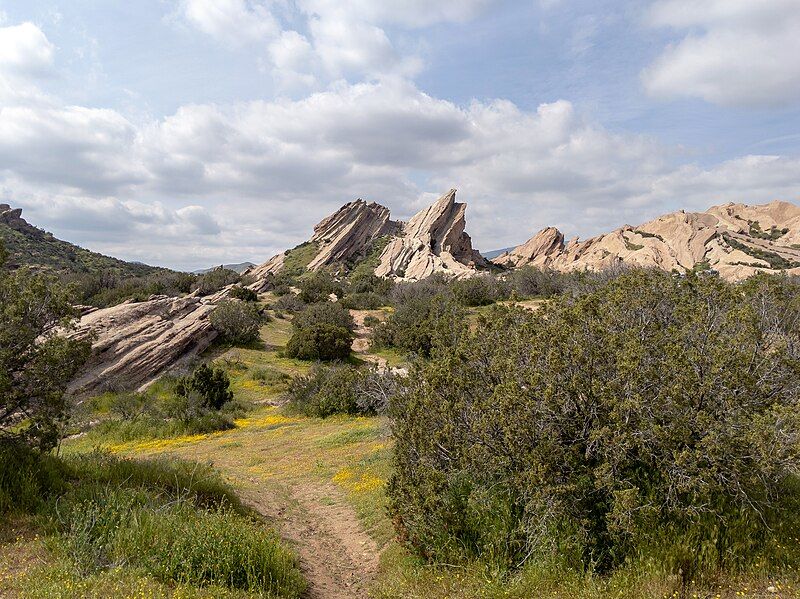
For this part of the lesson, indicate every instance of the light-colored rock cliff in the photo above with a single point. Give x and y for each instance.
(736, 240)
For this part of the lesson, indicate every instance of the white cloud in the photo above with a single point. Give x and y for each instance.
(235, 22)
(25, 51)
(344, 39)
(736, 52)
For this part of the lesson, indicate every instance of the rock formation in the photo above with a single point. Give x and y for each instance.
(735, 240)
(135, 342)
(12, 217)
(432, 241)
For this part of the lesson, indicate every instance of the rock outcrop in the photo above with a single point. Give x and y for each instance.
(433, 240)
(135, 342)
(736, 240)
(12, 217)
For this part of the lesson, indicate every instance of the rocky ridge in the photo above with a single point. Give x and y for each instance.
(433, 240)
(736, 240)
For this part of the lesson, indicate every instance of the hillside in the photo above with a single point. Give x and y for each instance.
(35, 248)
(735, 240)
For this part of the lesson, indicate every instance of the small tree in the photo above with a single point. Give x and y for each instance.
(238, 322)
(36, 364)
(318, 287)
(216, 279)
(211, 385)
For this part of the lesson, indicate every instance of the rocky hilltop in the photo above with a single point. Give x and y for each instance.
(35, 248)
(433, 240)
(736, 240)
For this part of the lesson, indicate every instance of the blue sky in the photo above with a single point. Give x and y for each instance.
(192, 132)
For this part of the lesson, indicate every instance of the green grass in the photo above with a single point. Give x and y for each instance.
(104, 521)
(298, 258)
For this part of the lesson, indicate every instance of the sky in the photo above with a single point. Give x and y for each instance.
(187, 133)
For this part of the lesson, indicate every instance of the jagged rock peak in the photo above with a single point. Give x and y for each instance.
(539, 250)
(348, 232)
(12, 217)
(433, 240)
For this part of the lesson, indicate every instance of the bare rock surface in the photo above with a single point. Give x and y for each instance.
(434, 240)
(135, 342)
(735, 240)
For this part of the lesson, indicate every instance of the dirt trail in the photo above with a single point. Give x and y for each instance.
(337, 557)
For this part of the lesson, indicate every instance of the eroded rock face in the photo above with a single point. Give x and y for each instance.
(434, 240)
(731, 239)
(135, 342)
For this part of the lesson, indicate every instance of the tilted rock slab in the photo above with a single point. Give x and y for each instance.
(433, 240)
(675, 241)
(135, 342)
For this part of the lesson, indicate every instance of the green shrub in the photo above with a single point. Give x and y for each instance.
(289, 303)
(320, 342)
(209, 384)
(332, 313)
(318, 287)
(238, 322)
(652, 418)
(420, 324)
(371, 321)
(216, 280)
(341, 389)
(480, 290)
(363, 301)
(243, 293)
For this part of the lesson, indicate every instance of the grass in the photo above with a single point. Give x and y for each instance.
(111, 527)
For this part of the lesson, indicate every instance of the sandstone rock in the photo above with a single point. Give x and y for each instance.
(434, 240)
(12, 217)
(676, 241)
(539, 250)
(135, 342)
(348, 233)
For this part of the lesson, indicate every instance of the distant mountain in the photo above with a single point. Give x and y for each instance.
(735, 240)
(240, 268)
(35, 248)
(490, 255)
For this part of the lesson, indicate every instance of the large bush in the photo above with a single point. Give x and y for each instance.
(420, 322)
(237, 321)
(480, 290)
(318, 287)
(332, 313)
(655, 416)
(341, 389)
(320, 342)
(323, 331)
